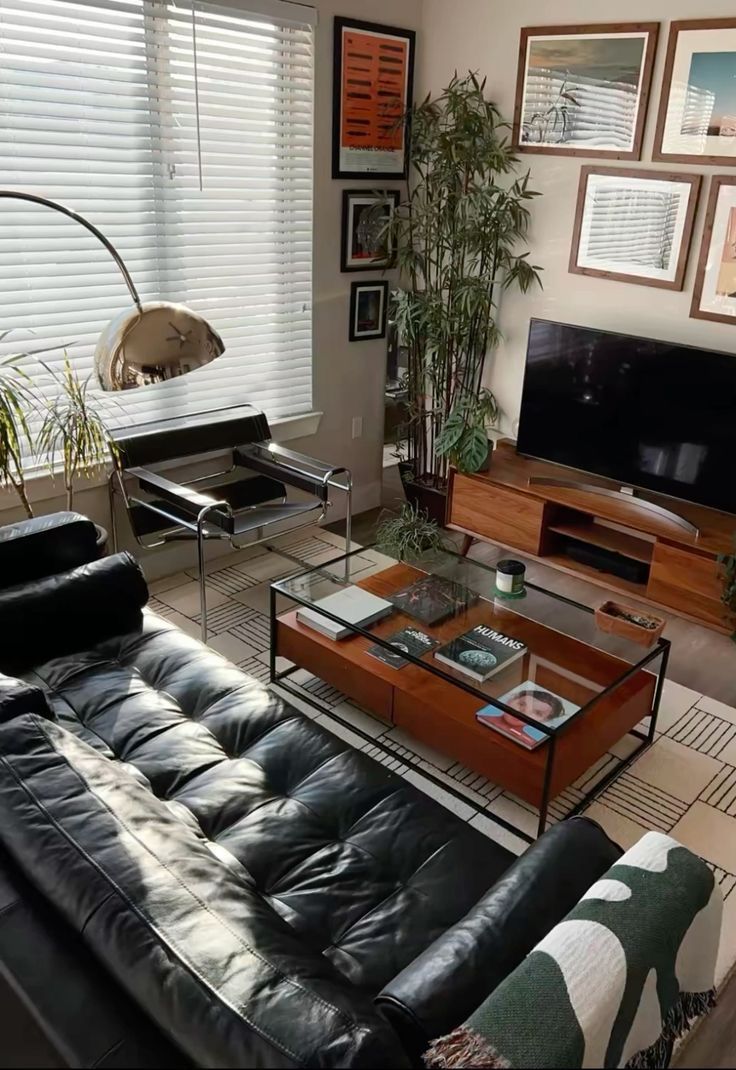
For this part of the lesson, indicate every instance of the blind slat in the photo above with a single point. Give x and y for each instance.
(100, 109)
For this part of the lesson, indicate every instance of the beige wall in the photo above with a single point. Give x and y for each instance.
(348, 377)
(483, 35)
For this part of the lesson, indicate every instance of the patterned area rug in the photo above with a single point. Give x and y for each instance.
(685, 784)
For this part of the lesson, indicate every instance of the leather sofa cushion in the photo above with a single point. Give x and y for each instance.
(43, 545)
(364, 868)
(69, 611)
(193, 942)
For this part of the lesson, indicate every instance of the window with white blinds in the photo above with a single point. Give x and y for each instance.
(184, 132)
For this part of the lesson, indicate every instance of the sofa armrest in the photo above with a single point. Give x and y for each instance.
(70, 611)
(442, 987)
(17, 697)
(45, 545)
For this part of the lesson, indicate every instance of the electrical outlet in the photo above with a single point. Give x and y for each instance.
(357, 426)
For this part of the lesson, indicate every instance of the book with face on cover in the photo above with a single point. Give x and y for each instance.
(433, 599)
(533, 700)
(481, 652)
(409, 641)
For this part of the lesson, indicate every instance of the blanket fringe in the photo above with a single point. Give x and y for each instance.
(463, 1047)
(680, 1017)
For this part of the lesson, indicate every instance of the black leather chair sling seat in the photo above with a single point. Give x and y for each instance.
(192, 872)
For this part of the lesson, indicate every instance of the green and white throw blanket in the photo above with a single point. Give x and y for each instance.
(616, 982)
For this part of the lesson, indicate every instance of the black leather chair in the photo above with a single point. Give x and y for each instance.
(194, 873)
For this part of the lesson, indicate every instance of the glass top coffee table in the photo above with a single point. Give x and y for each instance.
(562, 692)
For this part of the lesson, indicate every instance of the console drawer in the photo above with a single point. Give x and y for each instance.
(492, 512)
(686, 581)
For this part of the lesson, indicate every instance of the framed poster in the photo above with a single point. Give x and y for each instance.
(368, 310)
(583, 90)
(697, 109)
(372, 92)
(366, 243)
(634, 226)
(714, 297)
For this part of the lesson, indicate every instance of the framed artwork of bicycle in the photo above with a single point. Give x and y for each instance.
(584, 90)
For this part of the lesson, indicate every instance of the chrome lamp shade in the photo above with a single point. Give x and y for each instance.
(148, 343)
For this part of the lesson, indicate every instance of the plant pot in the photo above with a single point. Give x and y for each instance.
(428, 499)
(407, 472)
(608, 620)
(102, 538)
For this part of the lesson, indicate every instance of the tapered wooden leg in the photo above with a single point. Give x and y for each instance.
(468, 541)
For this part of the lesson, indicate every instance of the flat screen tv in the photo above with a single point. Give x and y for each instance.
(648, 414)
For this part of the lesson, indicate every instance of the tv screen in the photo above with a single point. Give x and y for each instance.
(647, 414)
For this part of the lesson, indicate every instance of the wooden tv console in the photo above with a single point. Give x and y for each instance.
(541, 509)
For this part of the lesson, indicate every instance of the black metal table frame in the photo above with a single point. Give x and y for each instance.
(660, 650)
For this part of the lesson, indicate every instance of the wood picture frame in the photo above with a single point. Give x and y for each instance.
(368, 310)
(360, 210)
(629, 195)
(670, 142)
(545, 131)
(719, 235)
(372, 93)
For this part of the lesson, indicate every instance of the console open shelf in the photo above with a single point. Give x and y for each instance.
(649, 547)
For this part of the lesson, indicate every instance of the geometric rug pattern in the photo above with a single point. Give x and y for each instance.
(684, 784)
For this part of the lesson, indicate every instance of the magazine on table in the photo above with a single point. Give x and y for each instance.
(407, 641)
(535, 701)
(433, 599)
(481, 652)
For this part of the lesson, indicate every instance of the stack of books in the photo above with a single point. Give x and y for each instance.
(352, 604)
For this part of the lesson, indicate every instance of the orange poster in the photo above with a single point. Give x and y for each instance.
(374, 96)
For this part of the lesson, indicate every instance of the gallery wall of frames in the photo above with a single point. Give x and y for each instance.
(585, 91)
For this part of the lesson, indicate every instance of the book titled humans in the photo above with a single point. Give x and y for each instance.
(533, 700)
(407, 641)
(481, 652)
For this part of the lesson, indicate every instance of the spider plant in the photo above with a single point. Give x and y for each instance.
(73, 435)
(409, 534)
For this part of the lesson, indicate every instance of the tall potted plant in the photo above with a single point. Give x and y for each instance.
(73, 435)
(459, 237)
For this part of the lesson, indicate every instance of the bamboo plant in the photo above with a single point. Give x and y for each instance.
(459, 238)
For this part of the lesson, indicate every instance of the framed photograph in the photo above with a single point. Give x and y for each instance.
(368, 310)
(634, 226)
(583, 90)
(714, 297)
(697, 109)
(372, 92)
(365, 243)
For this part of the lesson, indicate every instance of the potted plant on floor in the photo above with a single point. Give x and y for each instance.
(727, 563)
(15, 399)
(463, 439)
(408, 534)
(73, 435)
(458, 237)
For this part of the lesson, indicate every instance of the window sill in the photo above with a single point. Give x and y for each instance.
(41, 487)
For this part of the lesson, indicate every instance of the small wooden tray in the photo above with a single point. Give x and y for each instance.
(615, 625)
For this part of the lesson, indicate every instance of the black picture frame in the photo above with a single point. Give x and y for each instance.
(368, 164)
(351, 198)
(359, 290)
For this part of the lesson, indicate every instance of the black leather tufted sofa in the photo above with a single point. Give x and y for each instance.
(194, 873)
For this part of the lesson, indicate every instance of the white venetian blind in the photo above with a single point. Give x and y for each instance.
(184, 132)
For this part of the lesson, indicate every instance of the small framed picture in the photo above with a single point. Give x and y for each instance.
(368, 310)
(714, 296)
(583, 90)
(697, 108)
(372, 95)
(634, 226)
(366, 243)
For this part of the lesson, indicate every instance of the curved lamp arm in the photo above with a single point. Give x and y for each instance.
(35, 199)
